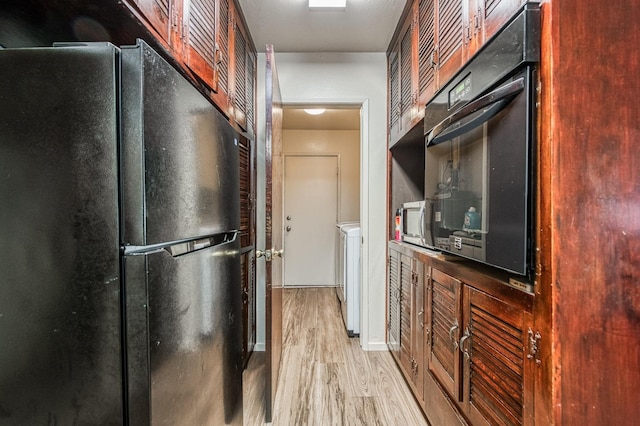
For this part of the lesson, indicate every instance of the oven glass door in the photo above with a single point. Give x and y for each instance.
(476, 178)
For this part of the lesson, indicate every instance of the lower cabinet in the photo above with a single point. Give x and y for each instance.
(248, 281)
(497, 385)
(465, 352)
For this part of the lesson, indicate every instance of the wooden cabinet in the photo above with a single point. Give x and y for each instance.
(402, 80)
(406, 316)
(158, 14)
(468, 355)
(449, 39)
(206, 47)
(393, 303)
(406, 319)
(210, 39)
(200, 43)
(445, 310)
(247, 241)
(248, 280)
(497, 369)
(244, 77)
(432, 42)
(494, 13)
(427, 82)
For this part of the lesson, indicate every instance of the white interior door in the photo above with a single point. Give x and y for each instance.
(310, 214)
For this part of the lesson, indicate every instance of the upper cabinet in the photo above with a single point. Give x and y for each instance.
(449, 38)
(402, 80)
(432, 42)
(426, 50)
(210, 39)
(244, 76)
(494, 13)
(156, 13)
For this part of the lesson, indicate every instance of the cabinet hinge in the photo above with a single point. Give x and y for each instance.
(534, 345)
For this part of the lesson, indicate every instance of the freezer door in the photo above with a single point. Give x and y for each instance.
(180, 155)
(60, 327)
(184, 337)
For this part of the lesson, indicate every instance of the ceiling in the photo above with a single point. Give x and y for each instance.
(290, 26)
(294, 118)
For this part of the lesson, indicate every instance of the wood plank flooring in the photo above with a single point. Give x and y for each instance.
(326, 378)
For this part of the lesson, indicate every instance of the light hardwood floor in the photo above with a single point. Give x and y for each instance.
(326, 378)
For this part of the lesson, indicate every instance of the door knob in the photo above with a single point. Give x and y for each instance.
(288, 228)
(279, 253)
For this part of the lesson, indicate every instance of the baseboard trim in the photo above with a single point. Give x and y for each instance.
(377, 347)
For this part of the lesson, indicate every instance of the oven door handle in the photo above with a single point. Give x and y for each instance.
(493, 102)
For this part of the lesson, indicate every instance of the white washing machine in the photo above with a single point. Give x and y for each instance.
(348, 275)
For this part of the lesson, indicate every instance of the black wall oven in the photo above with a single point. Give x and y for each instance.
(480, 146)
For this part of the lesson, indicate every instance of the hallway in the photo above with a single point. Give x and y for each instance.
(326, 378)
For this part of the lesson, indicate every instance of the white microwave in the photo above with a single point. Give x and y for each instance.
(413, 222)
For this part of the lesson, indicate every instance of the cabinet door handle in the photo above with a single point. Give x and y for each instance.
(451, 330)
(462, 340)
(421, 313)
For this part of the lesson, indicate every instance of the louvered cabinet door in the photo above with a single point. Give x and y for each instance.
(473, 31)
(221, 56)
(426, 51)
(156, 13)
(408, 93)
(449, 39)
(239, 92)
(417, 328)
(496, 13)
(444, 361)
(406, 285)
(393, 63)
(252, 60)
(393, 303)
(498, 377)
(200, 21)
(246, 191)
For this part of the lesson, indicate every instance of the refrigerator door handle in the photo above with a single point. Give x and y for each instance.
(182, 247)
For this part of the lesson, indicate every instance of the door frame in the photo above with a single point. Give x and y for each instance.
(284, 191)
(365, 222)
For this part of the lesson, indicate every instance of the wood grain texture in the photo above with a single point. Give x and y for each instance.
(325, 377)
(590, 110)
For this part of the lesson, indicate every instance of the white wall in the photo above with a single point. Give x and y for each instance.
(346, 143)
(341, 78)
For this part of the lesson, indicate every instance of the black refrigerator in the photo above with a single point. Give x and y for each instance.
(120, 296)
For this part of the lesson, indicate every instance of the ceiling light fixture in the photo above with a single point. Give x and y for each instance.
(314, 111)
(327, 3)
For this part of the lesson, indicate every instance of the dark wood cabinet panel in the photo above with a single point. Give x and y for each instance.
(445, 331)
(498, 376)
(157, 13)
(239, 94)
(400, 62)
(495, 13)
(247, 168)
(243, 75)
(248, 281)
(420, 277)
(406, 278)
(450, 53)
(394, 109)
(393, 304)
(427, 82)
(200, 21)
(470, 354)
(247, 192)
